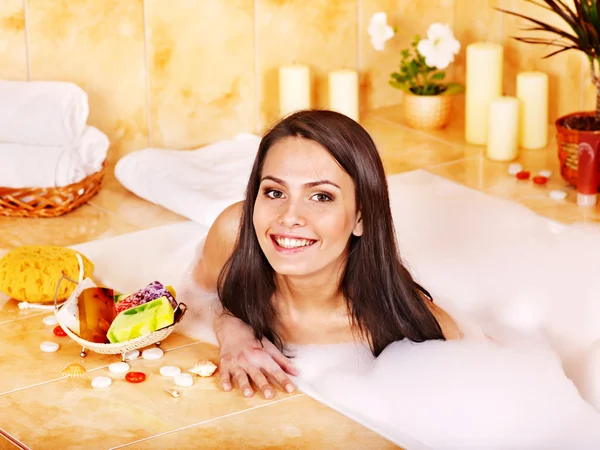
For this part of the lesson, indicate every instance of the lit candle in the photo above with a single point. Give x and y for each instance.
(532, 91)
(343, 92)
(503, 129)
(483, 84)
(294, 88)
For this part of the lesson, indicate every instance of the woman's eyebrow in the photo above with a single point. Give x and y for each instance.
(309, 185)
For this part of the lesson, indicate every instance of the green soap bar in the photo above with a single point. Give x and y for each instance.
(141, 320)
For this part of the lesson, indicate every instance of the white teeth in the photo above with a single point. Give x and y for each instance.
(292, 243)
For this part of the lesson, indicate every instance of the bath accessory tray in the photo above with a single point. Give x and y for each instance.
(154, 338)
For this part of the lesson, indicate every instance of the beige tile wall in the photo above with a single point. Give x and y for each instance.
(182, 73)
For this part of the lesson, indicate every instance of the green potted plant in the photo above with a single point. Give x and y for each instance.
(584, 22)
(421, 76)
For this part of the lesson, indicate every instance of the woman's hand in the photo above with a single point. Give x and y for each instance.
(244, 359)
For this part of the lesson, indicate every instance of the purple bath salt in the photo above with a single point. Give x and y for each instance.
(151, 292)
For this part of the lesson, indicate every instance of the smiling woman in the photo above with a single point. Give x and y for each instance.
(311, 257)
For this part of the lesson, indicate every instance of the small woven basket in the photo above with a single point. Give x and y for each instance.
(427, 112)
(49, 202)
(121, 347)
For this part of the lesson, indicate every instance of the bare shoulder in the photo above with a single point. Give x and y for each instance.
(449, 327)
(219, 244)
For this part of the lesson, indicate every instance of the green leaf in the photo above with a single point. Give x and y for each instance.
(583, 19)
(413, 68)
(438, 76)
(401, 86)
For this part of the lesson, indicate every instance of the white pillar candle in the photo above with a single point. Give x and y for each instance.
(503, 129)
(294, 88)
(343, 92)
(532, 91)
(483, 84)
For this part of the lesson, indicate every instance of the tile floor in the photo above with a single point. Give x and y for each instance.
(41, 409)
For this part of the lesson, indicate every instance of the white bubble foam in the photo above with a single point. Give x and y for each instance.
(458, 394)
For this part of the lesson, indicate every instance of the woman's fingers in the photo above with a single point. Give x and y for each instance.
(260, 381)
(279, 357)
(225, 377)
(242, 380)
(275, 371)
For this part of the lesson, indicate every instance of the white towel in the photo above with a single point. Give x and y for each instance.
(26, 165)
(197, 184)
(42, 112)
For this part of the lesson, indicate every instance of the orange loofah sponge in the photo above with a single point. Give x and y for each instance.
(30, 273)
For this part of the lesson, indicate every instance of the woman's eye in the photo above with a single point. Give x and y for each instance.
(274, 194)
(322, 198)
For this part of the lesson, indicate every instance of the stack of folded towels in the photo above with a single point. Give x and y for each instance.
(44, 137)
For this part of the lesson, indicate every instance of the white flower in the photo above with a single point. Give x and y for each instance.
(440, 46)
(380, 31)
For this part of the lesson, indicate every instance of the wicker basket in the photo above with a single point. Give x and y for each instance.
(568, 143)
(122, 347)
(49, 202)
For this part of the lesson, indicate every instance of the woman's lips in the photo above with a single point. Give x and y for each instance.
(292, 250)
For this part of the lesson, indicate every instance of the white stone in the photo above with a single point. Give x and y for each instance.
(49, 346)
(118, 367)
(183, 380)
(546, 173)
(557, 195)
(131, 355)
(152, 353)
(50, 320)
(169, 371)
(101, 382)
(514, 168)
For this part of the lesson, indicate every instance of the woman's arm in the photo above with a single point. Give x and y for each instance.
(242, 356)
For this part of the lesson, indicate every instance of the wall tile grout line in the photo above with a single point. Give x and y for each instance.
(584, 63)
(13, 440)
(147, 67)
(27, 50)
(257, 83)
(4, 322)
(41, 383)
(214, 419)
(417, 132)
(358, 33)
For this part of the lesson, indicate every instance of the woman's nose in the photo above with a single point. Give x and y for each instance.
(291, 215)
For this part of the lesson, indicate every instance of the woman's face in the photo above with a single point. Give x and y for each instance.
(305, 211)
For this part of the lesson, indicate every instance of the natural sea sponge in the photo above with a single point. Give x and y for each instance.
(31, 272)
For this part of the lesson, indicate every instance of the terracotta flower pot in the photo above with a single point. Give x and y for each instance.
(567, 141)
(427, 112)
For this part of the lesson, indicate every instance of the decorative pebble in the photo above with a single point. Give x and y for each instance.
(183, 380)
(514, 168)
(101, 382)
(48, 346)
(131, 355)
(135, 377)
(557, 195)
(545, 173)
(58, 331)
(523, 175)
(152, 353)
(50, 320)
(118, 367)
(540, 180)
(169, 371)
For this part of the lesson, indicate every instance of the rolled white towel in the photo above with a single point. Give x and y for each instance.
(25, 165)
(42, 112)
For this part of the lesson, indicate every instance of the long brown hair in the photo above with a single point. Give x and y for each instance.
(385, 303)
